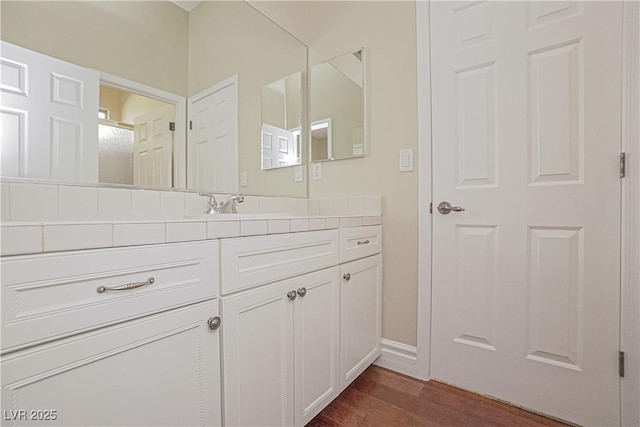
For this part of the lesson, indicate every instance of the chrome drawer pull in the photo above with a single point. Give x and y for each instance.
(366, 242)
(102, 289)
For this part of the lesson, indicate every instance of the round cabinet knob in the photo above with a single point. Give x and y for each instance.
(347, 277)
(292, 295)
(302, 292)
(214, 323)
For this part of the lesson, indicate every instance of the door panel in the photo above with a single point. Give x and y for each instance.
(213, 139)
(49, 117)
(526, 138)
(153, 148)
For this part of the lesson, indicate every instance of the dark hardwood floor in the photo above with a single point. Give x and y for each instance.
(380, 397)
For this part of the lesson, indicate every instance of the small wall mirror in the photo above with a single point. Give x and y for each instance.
(336, 99)
(281, 122)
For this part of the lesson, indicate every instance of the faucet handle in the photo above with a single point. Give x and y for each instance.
(213, 203)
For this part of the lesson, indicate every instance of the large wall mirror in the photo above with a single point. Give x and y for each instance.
(336, 107)
(176, 96)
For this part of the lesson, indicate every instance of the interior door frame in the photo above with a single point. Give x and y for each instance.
(180, 133)
(630, 210)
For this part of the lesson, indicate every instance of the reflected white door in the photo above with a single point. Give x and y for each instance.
(212, 145)
(278, 147)
(48, 117)
(526, 138)
(153, 148)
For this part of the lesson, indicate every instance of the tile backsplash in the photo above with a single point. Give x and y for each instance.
(49, 202)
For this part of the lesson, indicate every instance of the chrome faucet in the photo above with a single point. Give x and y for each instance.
(229, 205)
(213, 203)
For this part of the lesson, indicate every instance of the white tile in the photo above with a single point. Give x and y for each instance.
(367, 220)
(33, 202)
(5, 201)
(17, 240)
(145, 204)
(341, 206)
(114, 203)
(77, 236)
(314, 207)
(279, 204)
(291, 205)
(138, 233)
(302, 206)
(276, 226)
(345, 222)
(356, 221)
(376, 220)
(251, 205)
(77, 203)
(298, 225)
(186, 231)
(266, 205)
(222, 229)
(317, 224)
(326, 206)
(372, 205)
(172, 204)
(356, 205)
(253, 228)
(195, 204)
(332, 223)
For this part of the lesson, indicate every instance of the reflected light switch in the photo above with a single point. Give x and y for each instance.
(297, 173)
(406, 160)
(243, 179)
(316, 174)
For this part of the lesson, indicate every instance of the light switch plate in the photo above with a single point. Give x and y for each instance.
(406, 160)
(317, 172)
(243, 179)
(297, 174)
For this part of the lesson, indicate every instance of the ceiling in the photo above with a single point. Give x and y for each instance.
(187, 5)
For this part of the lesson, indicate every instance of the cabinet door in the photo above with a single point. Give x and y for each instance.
(161, 370)
(317, 342)
(258, 357)
(360, 318)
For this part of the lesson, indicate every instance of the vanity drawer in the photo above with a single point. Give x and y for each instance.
(55, 295)
(252, 261)
(360, 242)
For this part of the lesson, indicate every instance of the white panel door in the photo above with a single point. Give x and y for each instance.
(153, 148)
(48, 117)
(258, 357)
(161, 370)
(212, 144)
(526, 138)
(317, 342)
(278, 147)
(360, 316)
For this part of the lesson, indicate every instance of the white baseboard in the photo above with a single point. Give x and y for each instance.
(398, 357)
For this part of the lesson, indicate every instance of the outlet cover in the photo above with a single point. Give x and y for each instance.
(316, 175)
(243, 179)
(297, 177)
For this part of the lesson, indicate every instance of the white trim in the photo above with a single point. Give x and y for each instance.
(424, 190)
(398, 357)
(630, 245)
(180, 134)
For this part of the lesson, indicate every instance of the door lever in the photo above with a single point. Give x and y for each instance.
(445, 207)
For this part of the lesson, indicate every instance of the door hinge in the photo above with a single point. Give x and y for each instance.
(623, 165)
(621, 363)
(431, 207)
(172, 126)
(190, 124)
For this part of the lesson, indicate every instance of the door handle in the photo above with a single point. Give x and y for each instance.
(445, 207)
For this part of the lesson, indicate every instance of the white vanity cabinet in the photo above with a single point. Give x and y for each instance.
(360, 301)
(281, 351)
(76, 351)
